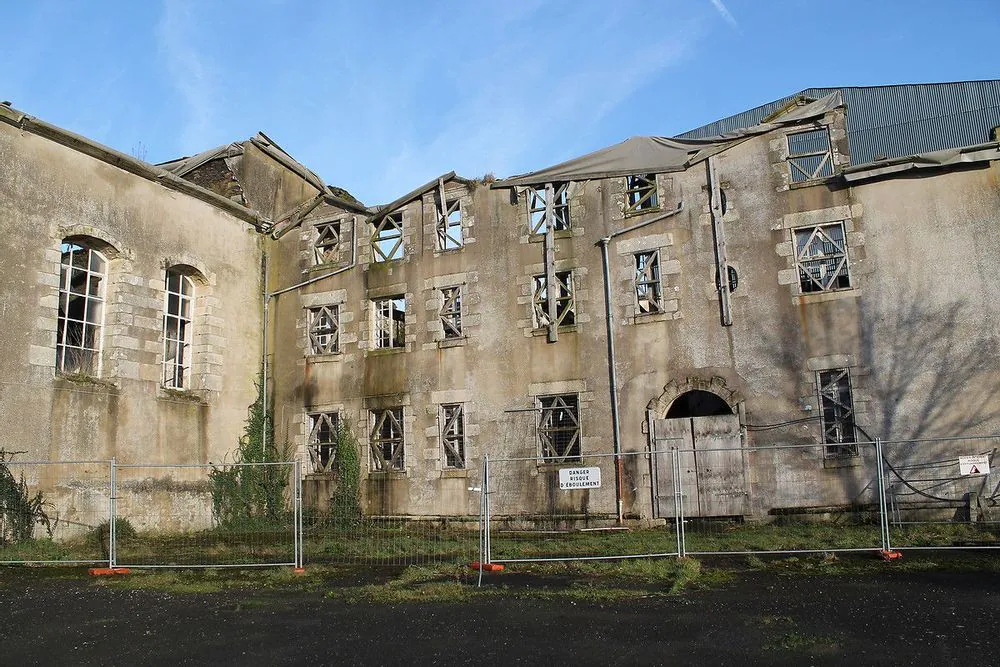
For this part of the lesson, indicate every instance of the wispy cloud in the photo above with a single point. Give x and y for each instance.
(190, 75)
(720, 7)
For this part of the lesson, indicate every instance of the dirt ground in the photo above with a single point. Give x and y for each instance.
(755, 617)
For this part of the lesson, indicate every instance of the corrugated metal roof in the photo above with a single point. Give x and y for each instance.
(895, 121)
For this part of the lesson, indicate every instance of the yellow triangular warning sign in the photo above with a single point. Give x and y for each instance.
(973, 470)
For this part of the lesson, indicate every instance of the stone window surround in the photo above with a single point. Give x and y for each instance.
(855, 242)
(347, 337)
(624, 274)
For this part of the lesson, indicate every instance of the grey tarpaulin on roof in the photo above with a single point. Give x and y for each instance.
(943, 158)
(660, 154)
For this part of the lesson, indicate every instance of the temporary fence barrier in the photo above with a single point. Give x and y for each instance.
(537, 510)
(55, 512)
(206, 515)
(943, 493)
(369, 525)
(782, 499)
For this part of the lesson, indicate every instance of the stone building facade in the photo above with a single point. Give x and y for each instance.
(764, 289)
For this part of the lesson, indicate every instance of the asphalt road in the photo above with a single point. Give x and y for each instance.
(931, 618)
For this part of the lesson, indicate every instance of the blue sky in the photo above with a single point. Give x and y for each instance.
(379, 97)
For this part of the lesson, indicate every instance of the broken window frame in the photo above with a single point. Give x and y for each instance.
(324, 329)
(565, 300)
(836, 401)
(648, 285)
(326, 248)
(389, 331)
(322, 443)
(640, 193)
(537, 224)
(386, 439)
(178, 316)
(821, 258)
(387, 238)
(449, 225)
(451, 312)
(80, 319)
(559, 428)
(799, 170)
(453, 434)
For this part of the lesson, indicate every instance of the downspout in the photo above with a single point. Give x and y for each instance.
(612, 357)
(263, 387)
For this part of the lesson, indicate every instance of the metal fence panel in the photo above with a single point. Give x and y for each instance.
(224, 515)
(795, 498)
(540, 511)
(373, 527)
(55, 512)
(943, 493)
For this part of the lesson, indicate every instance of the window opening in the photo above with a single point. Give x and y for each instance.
(453, 435)
(565, 302)
(177, 331)
(837, 412)
(537, 224)
(821, 258)
(387, 238)
(390, 322)
(323, 429)
(387, 439)
(327, 247)
(809, 155)
(640, 193)
(698, 403)
(451, 312)
(648, 290)
(449, 227)
(559, 428)
(82, 273)
(324, 330)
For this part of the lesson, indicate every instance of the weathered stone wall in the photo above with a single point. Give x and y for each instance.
(49, 192)
(907, 238)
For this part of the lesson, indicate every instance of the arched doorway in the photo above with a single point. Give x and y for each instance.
(703, 425)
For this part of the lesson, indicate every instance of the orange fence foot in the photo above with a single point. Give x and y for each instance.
(487, 567)
(299, 570)
(107, 571)
(890, 555)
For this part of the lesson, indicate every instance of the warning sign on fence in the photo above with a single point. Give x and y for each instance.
(974, 465)
(579, 478)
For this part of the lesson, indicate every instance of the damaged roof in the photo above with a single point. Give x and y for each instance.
(663, 154)
(887, 122)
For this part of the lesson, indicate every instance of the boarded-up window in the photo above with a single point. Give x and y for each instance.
(559, 428)
(809, 155)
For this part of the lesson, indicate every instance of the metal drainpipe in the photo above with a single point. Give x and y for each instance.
(612, 377)
(263, 388)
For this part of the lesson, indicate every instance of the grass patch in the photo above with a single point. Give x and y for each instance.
(214, 581)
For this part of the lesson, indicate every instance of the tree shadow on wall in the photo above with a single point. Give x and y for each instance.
(928, 377)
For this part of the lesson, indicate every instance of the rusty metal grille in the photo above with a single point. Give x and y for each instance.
(326, 250)
(565, 300)
(323, 440)
(837, 412)
(648, 289)
(386, 440)
(537, 223)
(387, 238)
(640, 193)
(821, 258)
(453, 434)
(809, 155)
(324, 330)
(451, 312)
(559, 428)
(449, 225)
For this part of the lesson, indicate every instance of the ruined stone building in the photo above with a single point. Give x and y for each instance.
(820, 269)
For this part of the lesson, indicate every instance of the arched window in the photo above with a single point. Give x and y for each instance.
(82, 277)
(177, 315)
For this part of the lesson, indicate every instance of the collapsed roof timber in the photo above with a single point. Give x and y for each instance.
(750, 285)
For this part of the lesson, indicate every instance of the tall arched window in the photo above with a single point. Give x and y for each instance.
(82, 277)
(177, 315)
